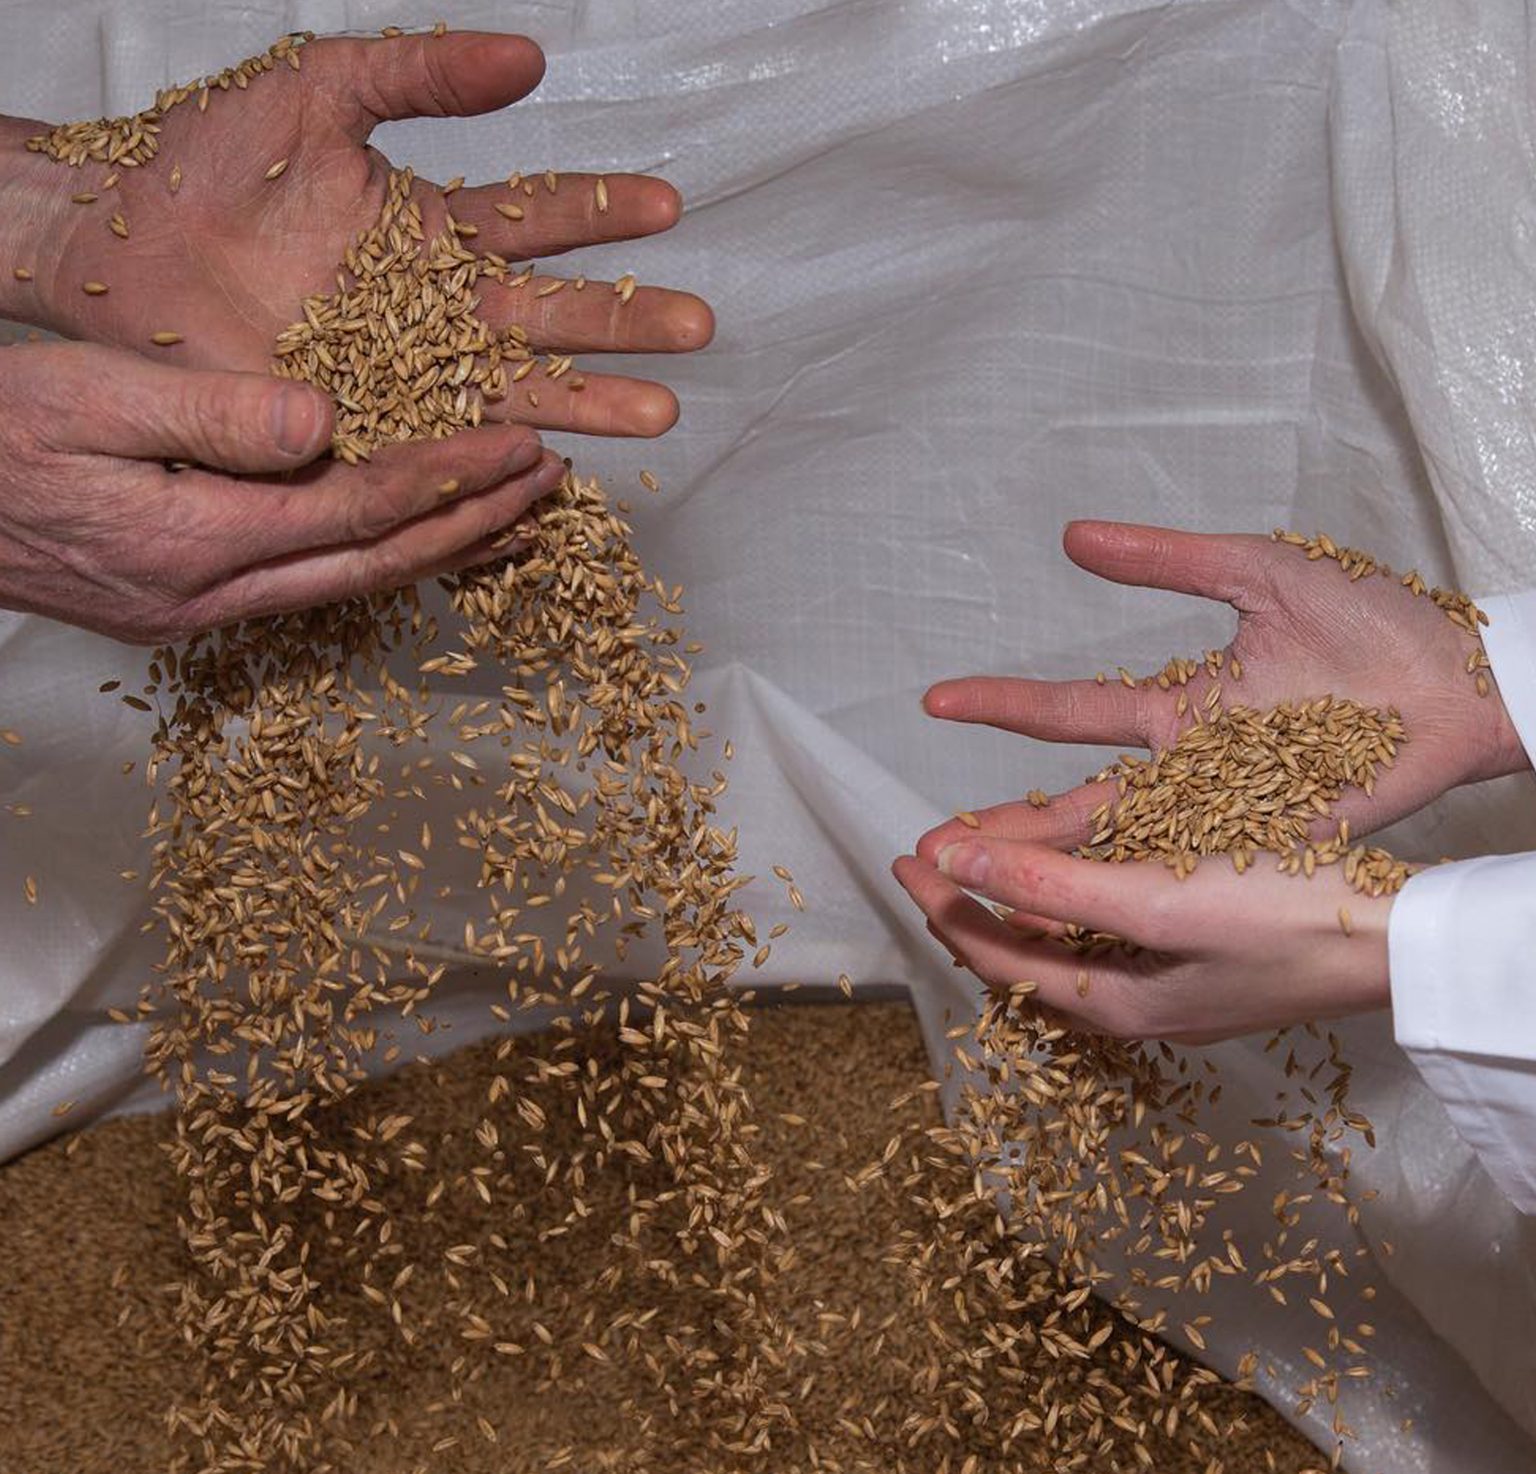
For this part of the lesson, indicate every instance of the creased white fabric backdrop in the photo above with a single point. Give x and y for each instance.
(981, 266)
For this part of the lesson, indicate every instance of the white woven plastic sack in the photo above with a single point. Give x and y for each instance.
(981, 266)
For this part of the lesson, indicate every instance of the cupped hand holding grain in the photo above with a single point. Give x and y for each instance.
(95, 529)
(250, 200)
(1305, 628)
(1217, 954)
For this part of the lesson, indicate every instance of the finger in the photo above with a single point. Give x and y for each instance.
(506, 543)
(1213, 566)
(1031, 926)
(1054, 711)
(153, 411)
(1130, 900)
(329, 505)
(588, 404)
(594, 318)
(410, 552)
(525, 219)
(456, 75)
(1063, 822)
(997, 955)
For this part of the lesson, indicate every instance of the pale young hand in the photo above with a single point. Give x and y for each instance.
(1304, 630)
(96, 531)
(226, 260)
(1224, 953)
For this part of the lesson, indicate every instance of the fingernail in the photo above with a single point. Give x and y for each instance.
(549, 476)
(295, 416)
(966, 864)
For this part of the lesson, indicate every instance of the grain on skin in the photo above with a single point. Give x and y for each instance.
(133, 141)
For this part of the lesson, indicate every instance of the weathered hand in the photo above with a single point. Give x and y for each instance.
(96, 531)
(1225, 953)
(226, 259)
(1304, 630)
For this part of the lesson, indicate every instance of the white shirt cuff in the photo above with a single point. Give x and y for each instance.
(1462, 941)
(1509, 637)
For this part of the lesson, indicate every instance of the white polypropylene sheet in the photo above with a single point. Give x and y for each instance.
(980, 266)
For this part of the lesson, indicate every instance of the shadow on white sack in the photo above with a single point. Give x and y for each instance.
(980, 267)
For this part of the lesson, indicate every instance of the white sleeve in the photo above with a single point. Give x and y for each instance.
(1462, 942)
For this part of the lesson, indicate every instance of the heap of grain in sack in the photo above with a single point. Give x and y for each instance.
(289, 864)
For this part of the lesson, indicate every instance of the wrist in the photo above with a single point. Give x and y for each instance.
(1511, 756)
(34, 192)
(1502, 750)
(1370, 925)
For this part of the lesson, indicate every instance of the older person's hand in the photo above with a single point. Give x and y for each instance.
(225, 259)
(96, 531)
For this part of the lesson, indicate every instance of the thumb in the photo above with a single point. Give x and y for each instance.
(120, 404)
(455, 75)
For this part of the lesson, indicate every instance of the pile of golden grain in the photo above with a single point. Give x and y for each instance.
(88, 1357)
(595, 1211)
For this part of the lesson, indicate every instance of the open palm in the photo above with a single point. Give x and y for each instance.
(222, 254)
(1305, 629)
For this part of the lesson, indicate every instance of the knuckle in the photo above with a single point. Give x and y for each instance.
(388, 566)
(1014, 878)
(536, 315)
(375, 505)
(198, 418)
(1157, 920)
(616, 323)
(438, 79)
(1141, 714)
(366, 519)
